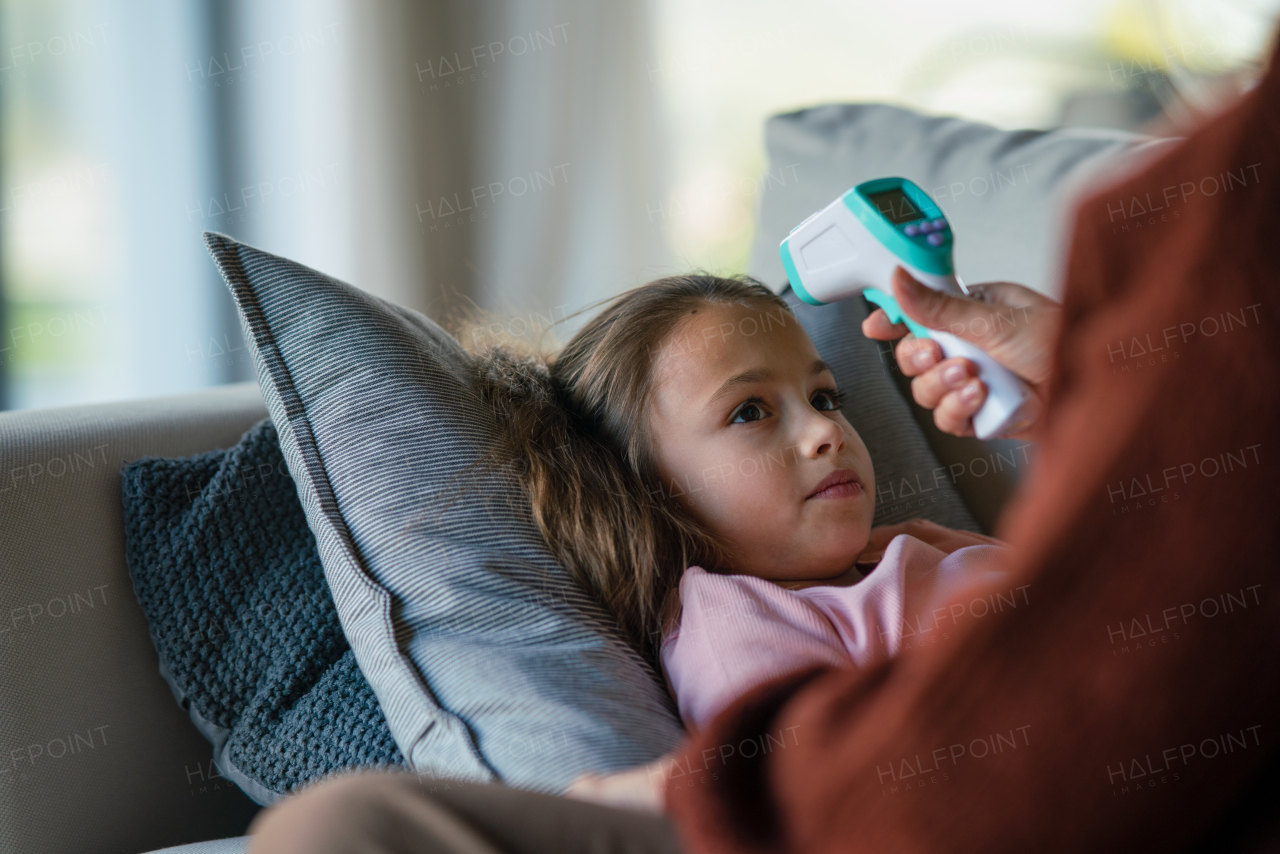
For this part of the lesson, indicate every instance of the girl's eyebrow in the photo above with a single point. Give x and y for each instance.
(759, 375)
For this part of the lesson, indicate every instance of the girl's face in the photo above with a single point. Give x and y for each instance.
(745, 426)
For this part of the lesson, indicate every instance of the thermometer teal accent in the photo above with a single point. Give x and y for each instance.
(852, 246)
(894, 311)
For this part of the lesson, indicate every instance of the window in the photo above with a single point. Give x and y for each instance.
(724, 66)
(129, 127)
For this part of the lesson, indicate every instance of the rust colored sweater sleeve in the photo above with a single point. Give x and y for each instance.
(1136, 695)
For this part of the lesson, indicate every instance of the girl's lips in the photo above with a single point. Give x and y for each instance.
(848, 489)
(841, 483)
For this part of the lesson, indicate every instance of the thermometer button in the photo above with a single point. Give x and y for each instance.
(939, 224)
(936, 239)
(912, 229)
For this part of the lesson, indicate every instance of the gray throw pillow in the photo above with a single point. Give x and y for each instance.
(488, 660)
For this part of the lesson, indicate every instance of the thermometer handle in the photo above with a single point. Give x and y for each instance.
(1005, 409)
(1008, 395)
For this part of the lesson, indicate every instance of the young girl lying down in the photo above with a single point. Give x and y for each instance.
(688, 460)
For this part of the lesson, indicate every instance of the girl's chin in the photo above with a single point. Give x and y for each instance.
(839, 560)
(841, 522)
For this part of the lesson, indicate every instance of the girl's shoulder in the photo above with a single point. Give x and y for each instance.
(711, 591)
(723, 581)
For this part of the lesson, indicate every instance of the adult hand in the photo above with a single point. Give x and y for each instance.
(640, 788)
(1015, 324)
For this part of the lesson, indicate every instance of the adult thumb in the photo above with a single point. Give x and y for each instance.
(963, 317)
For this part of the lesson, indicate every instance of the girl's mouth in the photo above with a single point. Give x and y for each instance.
(841, 483)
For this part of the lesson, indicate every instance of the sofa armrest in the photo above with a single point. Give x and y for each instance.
(88, 728)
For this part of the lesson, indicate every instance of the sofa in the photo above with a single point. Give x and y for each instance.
(97, 756)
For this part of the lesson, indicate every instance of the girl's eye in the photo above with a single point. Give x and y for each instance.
(751, 406)
(752, 409)
(833, 396)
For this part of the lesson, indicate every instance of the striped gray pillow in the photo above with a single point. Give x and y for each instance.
(488, 660)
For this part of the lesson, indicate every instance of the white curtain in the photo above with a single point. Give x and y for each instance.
(503, 151)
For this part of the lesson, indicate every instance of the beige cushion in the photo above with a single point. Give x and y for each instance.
(95, 754)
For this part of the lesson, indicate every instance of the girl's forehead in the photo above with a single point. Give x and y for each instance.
(737, 324)
(720, 337)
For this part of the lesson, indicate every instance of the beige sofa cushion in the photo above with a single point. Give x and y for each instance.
(95, 754)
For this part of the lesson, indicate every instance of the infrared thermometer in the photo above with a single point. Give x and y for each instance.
(851, 246)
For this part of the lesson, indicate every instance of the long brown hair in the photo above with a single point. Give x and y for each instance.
(575, 423)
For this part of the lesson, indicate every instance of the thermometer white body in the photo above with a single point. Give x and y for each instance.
(833, 255)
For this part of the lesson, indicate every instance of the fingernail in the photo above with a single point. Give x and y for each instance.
(953, 375)
(923, 359)
(970, 392)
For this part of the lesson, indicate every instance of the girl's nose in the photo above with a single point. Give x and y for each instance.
(821, 435)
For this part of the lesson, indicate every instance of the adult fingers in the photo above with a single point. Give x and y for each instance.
(955, 411)
(931, 386)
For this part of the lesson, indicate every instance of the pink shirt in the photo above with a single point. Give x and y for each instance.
(738, 631)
